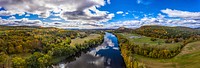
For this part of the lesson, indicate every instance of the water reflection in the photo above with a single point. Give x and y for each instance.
(107, 55)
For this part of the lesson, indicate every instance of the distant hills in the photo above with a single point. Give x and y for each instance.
(123, 29)
(156, 26)
(162, 31)
(167, 32)
(120, 28)
(198, 28)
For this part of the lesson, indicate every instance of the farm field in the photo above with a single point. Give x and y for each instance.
(160, 47)
(188, 58)
(141, 40)
(81, 40)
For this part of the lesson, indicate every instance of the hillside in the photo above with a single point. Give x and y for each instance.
(25, 47)
(160, 47)
(167, 32)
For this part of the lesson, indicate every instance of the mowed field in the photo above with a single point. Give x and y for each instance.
(189, 57)
(82, 40)
(141, 40)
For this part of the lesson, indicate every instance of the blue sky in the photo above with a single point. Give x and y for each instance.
(94, 14)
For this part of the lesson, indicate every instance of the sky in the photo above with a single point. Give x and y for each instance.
(99, 14)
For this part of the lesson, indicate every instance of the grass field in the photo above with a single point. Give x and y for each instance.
(188, 58)
(140, 40)
(81, 40)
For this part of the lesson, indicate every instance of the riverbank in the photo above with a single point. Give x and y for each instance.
(158, 46)
(81, 44)
(106, 55)
(38, 47)
(137, 56)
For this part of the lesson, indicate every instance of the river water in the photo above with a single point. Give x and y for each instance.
(106, 55)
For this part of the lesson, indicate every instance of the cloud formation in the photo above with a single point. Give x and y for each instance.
(10, 13)
(144, 2)
(182, 14)
(56, 19)
(85, 16)
(173, 18)
(20, 22)
(108, 1)
(120, 12)
(67, 8)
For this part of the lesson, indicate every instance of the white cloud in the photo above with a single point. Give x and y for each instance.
(21, 22)
(139, 1)
(55, 19)
(183, 18)
(108, 1)
(63, 25)
(27, 15)
(126, 13)
(86, 16)
(144, 2)
(6, 13)
(11, 18)
(120, 12)
(160, 16)
(57, 14)
(67, 8)
(10, 13)
(72, 25)
(159, 20)
(128, 23)
(182, 14)
(77, 14)
(45, 14)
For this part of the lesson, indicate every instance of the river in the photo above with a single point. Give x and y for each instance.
(106, 55)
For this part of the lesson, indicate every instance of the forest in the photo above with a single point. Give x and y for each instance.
(37, 47)
(40, 47)
(158, 42)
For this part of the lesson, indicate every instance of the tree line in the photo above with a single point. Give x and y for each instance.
(175, 34)
(171, 34)
(36, 47)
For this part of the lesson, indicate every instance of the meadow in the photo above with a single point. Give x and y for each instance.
(82, 40)
(188, 58)
(160, 47)
(141, 40)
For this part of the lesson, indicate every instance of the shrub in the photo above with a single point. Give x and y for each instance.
(153, 39)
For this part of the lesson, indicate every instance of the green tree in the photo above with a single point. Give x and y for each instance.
(68, 40)
(18, 62)
(44, 60)
(3, 59)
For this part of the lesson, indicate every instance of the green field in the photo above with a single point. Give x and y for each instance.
(188, 58)
(160, 47)
(140, 40)
(81, 40)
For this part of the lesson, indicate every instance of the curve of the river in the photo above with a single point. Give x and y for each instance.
(106, 55)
